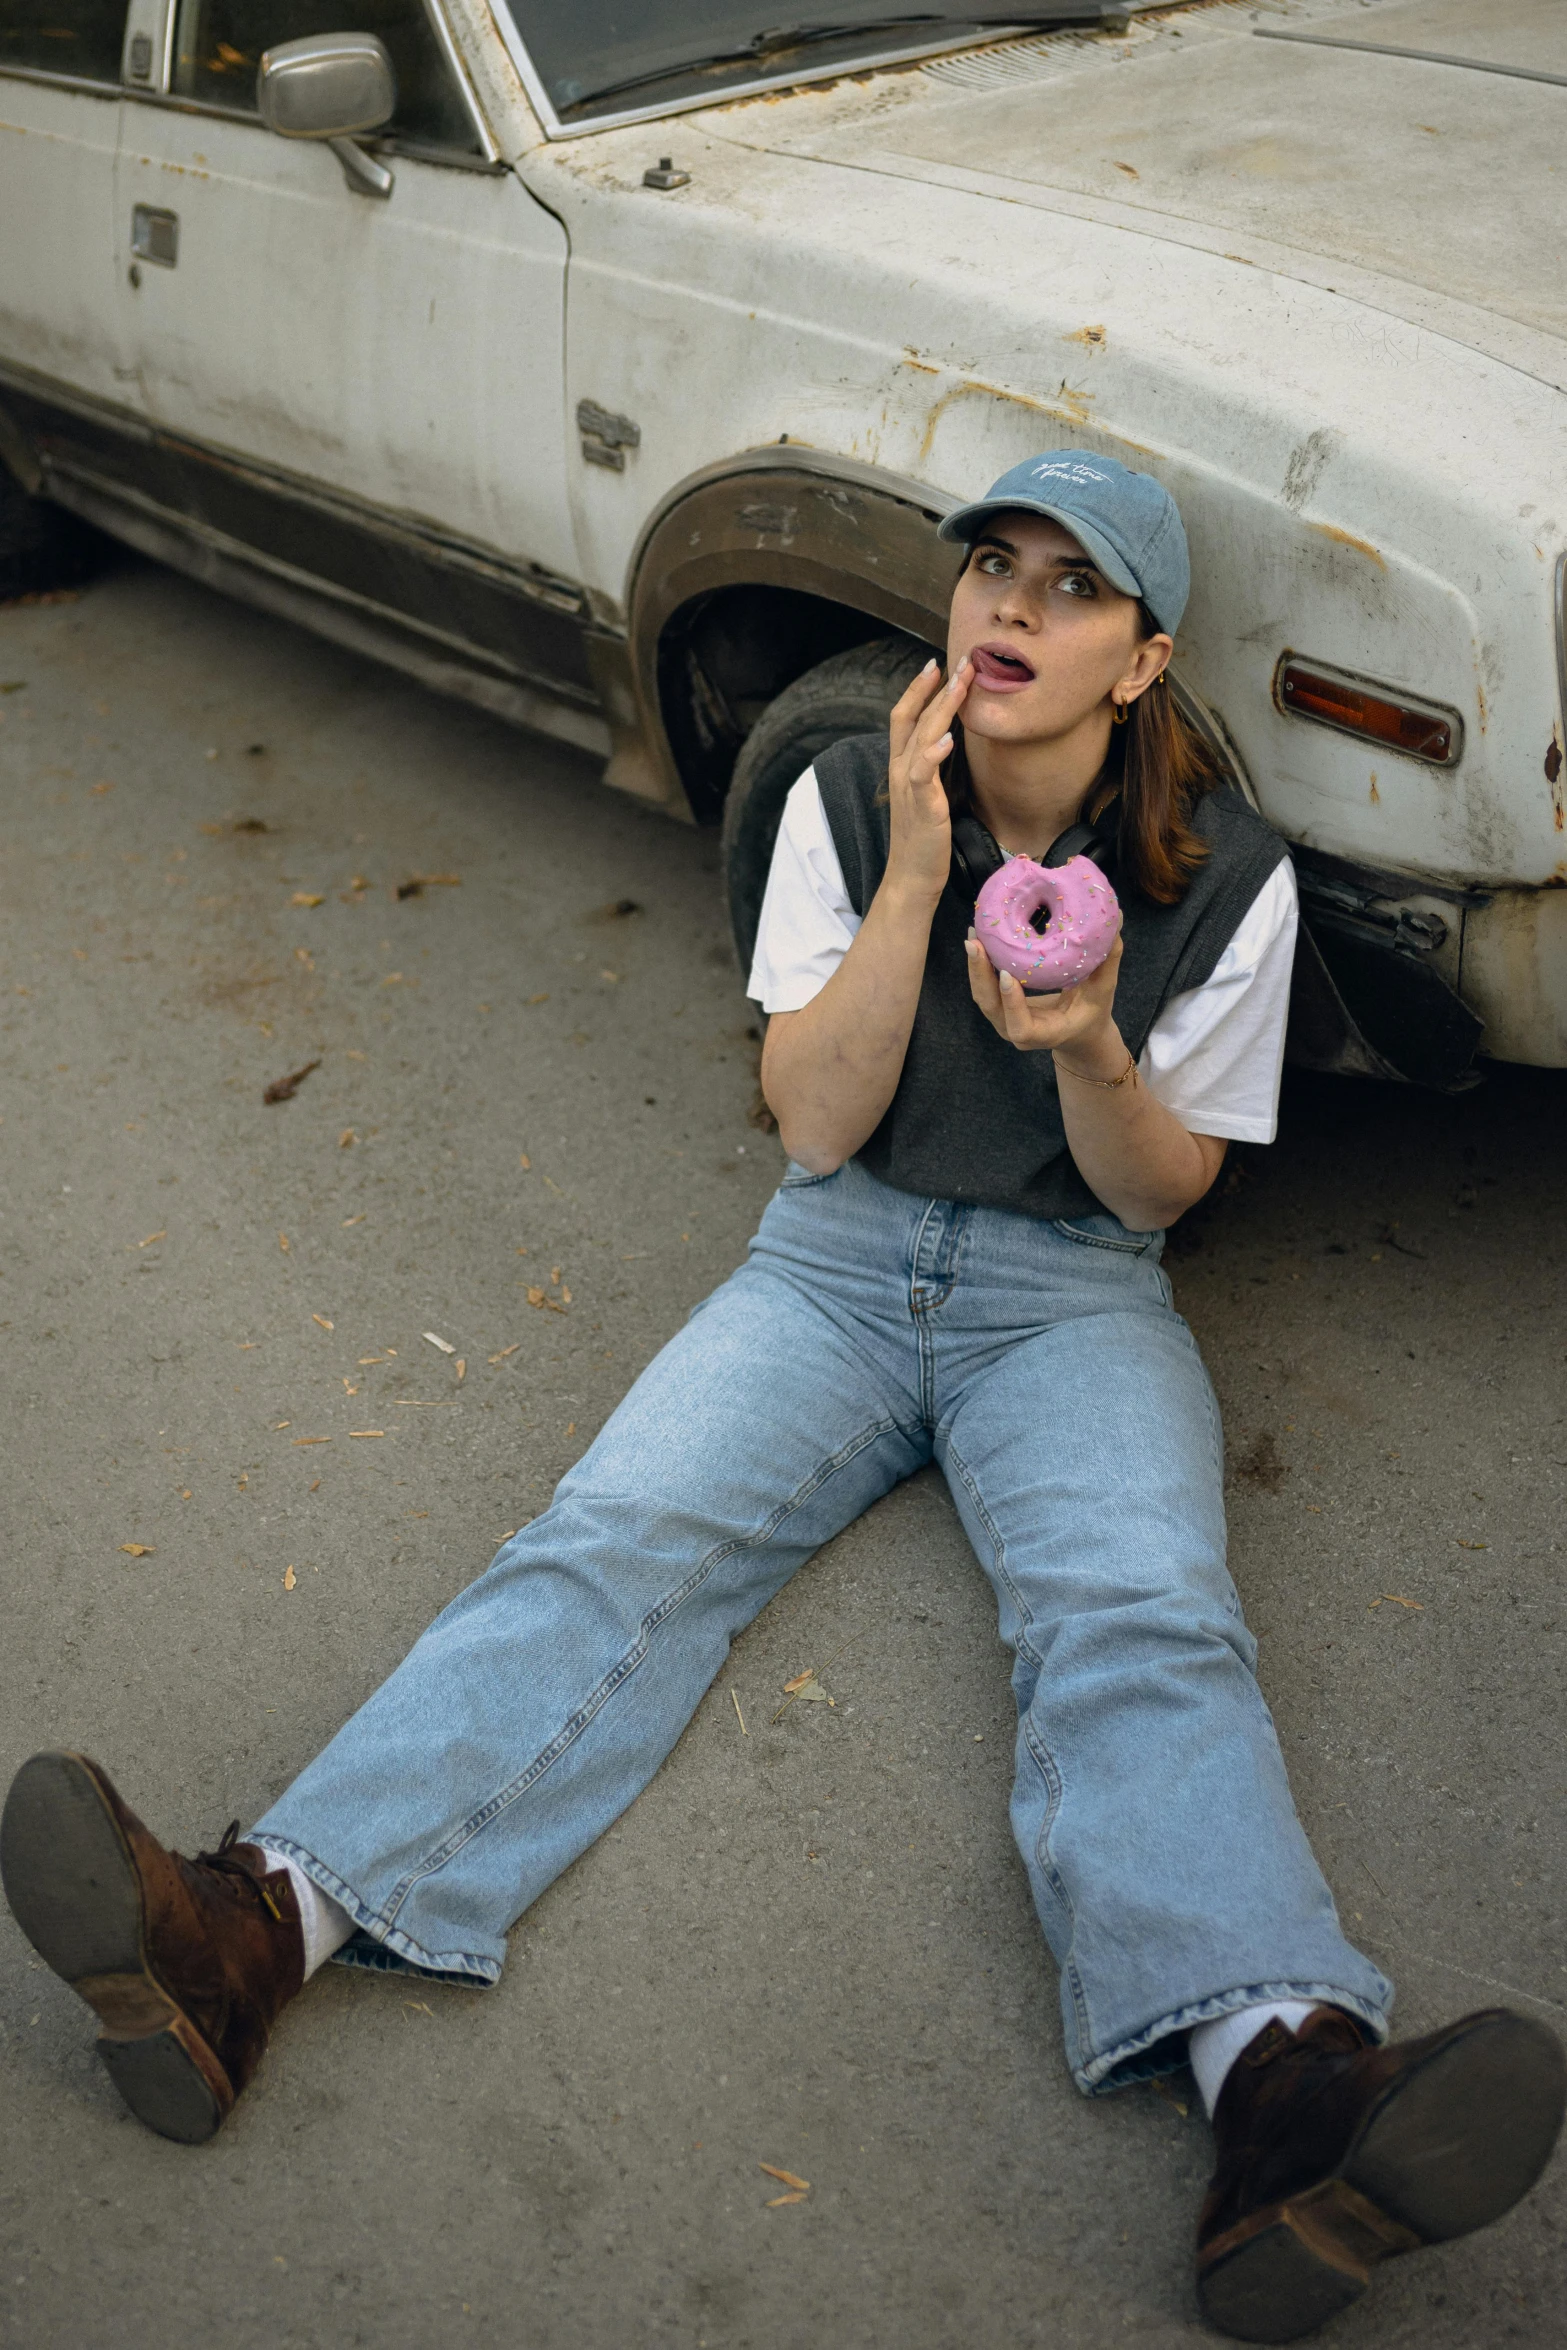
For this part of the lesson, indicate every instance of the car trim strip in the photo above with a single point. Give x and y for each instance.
(1516, 73)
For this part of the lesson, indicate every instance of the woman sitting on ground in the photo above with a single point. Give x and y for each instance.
(961, 1266)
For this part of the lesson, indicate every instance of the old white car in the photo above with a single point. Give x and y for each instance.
(612, 366)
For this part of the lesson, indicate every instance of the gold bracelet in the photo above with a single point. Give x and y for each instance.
(1109, 1084)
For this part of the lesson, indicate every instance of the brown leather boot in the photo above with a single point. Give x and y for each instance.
(187, 1962)
(1334, 2155)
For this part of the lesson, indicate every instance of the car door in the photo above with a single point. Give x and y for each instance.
(362, 395)
(60, 321)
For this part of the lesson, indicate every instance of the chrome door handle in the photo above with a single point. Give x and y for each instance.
(155, 235)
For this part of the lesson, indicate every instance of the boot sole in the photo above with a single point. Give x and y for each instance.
(75, 1892)
(1452, 2145)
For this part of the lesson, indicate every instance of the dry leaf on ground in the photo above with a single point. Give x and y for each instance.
(505, 1351)
(283, 1089)
(322, 1320)
(773, 2201)
(789, 2178)
(137, 1550)
(460, 1367)
(305, 897)
(289, 1579)
(367, 1431)
(151, 1237)
(792, 1688)
(444, 1344)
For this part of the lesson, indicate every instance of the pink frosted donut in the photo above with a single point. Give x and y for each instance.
(1084, 917)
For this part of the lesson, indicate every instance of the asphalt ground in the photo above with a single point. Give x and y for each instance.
(810, 1945)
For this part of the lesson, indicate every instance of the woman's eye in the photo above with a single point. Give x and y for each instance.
(996, 565)
(1075, 584)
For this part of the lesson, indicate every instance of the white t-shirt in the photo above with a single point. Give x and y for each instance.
(1213, 1056)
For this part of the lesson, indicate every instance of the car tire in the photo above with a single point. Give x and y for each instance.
(42, 546)
(850, 694)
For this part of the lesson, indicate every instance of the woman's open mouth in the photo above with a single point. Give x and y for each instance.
(1000, 670)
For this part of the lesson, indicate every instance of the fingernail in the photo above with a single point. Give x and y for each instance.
(929, 666)
(1007, 981)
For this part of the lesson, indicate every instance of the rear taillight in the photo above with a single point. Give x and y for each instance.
(1377, 714)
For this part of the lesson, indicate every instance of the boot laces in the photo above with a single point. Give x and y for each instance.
(228, 1862)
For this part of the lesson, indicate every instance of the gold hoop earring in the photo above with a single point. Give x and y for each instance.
(1118, 713)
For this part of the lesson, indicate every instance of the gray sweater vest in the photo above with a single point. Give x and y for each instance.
(973, 1118)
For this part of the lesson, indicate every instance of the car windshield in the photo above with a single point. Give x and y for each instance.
(666, 51)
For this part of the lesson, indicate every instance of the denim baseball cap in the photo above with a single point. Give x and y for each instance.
(1127, 522)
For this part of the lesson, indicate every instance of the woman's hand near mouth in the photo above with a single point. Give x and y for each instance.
(829, 1071)
(920, 855)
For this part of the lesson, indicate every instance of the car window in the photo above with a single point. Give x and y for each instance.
(219, 44)
(77, 37)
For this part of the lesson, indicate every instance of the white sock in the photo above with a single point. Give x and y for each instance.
(327, 1925)
(1214, 2047)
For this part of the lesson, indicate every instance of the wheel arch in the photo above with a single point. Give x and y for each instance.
(750, 573)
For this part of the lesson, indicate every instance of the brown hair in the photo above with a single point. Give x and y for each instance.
(1160, 767)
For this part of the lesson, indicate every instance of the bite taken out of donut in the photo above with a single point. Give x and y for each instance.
(1083, 912)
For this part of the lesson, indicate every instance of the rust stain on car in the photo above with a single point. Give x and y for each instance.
(1070, 406)
(1347, 538)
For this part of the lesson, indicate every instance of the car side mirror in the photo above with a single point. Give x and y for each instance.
(331, 86)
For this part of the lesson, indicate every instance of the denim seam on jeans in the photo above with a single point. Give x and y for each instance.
(625, 1665)
(1122, 1248)
(1045, 1763)
(998, 1547)
(929, 1298)
(1044, 1760)
(926, 1300)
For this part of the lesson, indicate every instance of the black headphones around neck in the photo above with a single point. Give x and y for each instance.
(977, 854)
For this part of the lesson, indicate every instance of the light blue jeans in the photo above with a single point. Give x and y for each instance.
(1044, 1368)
